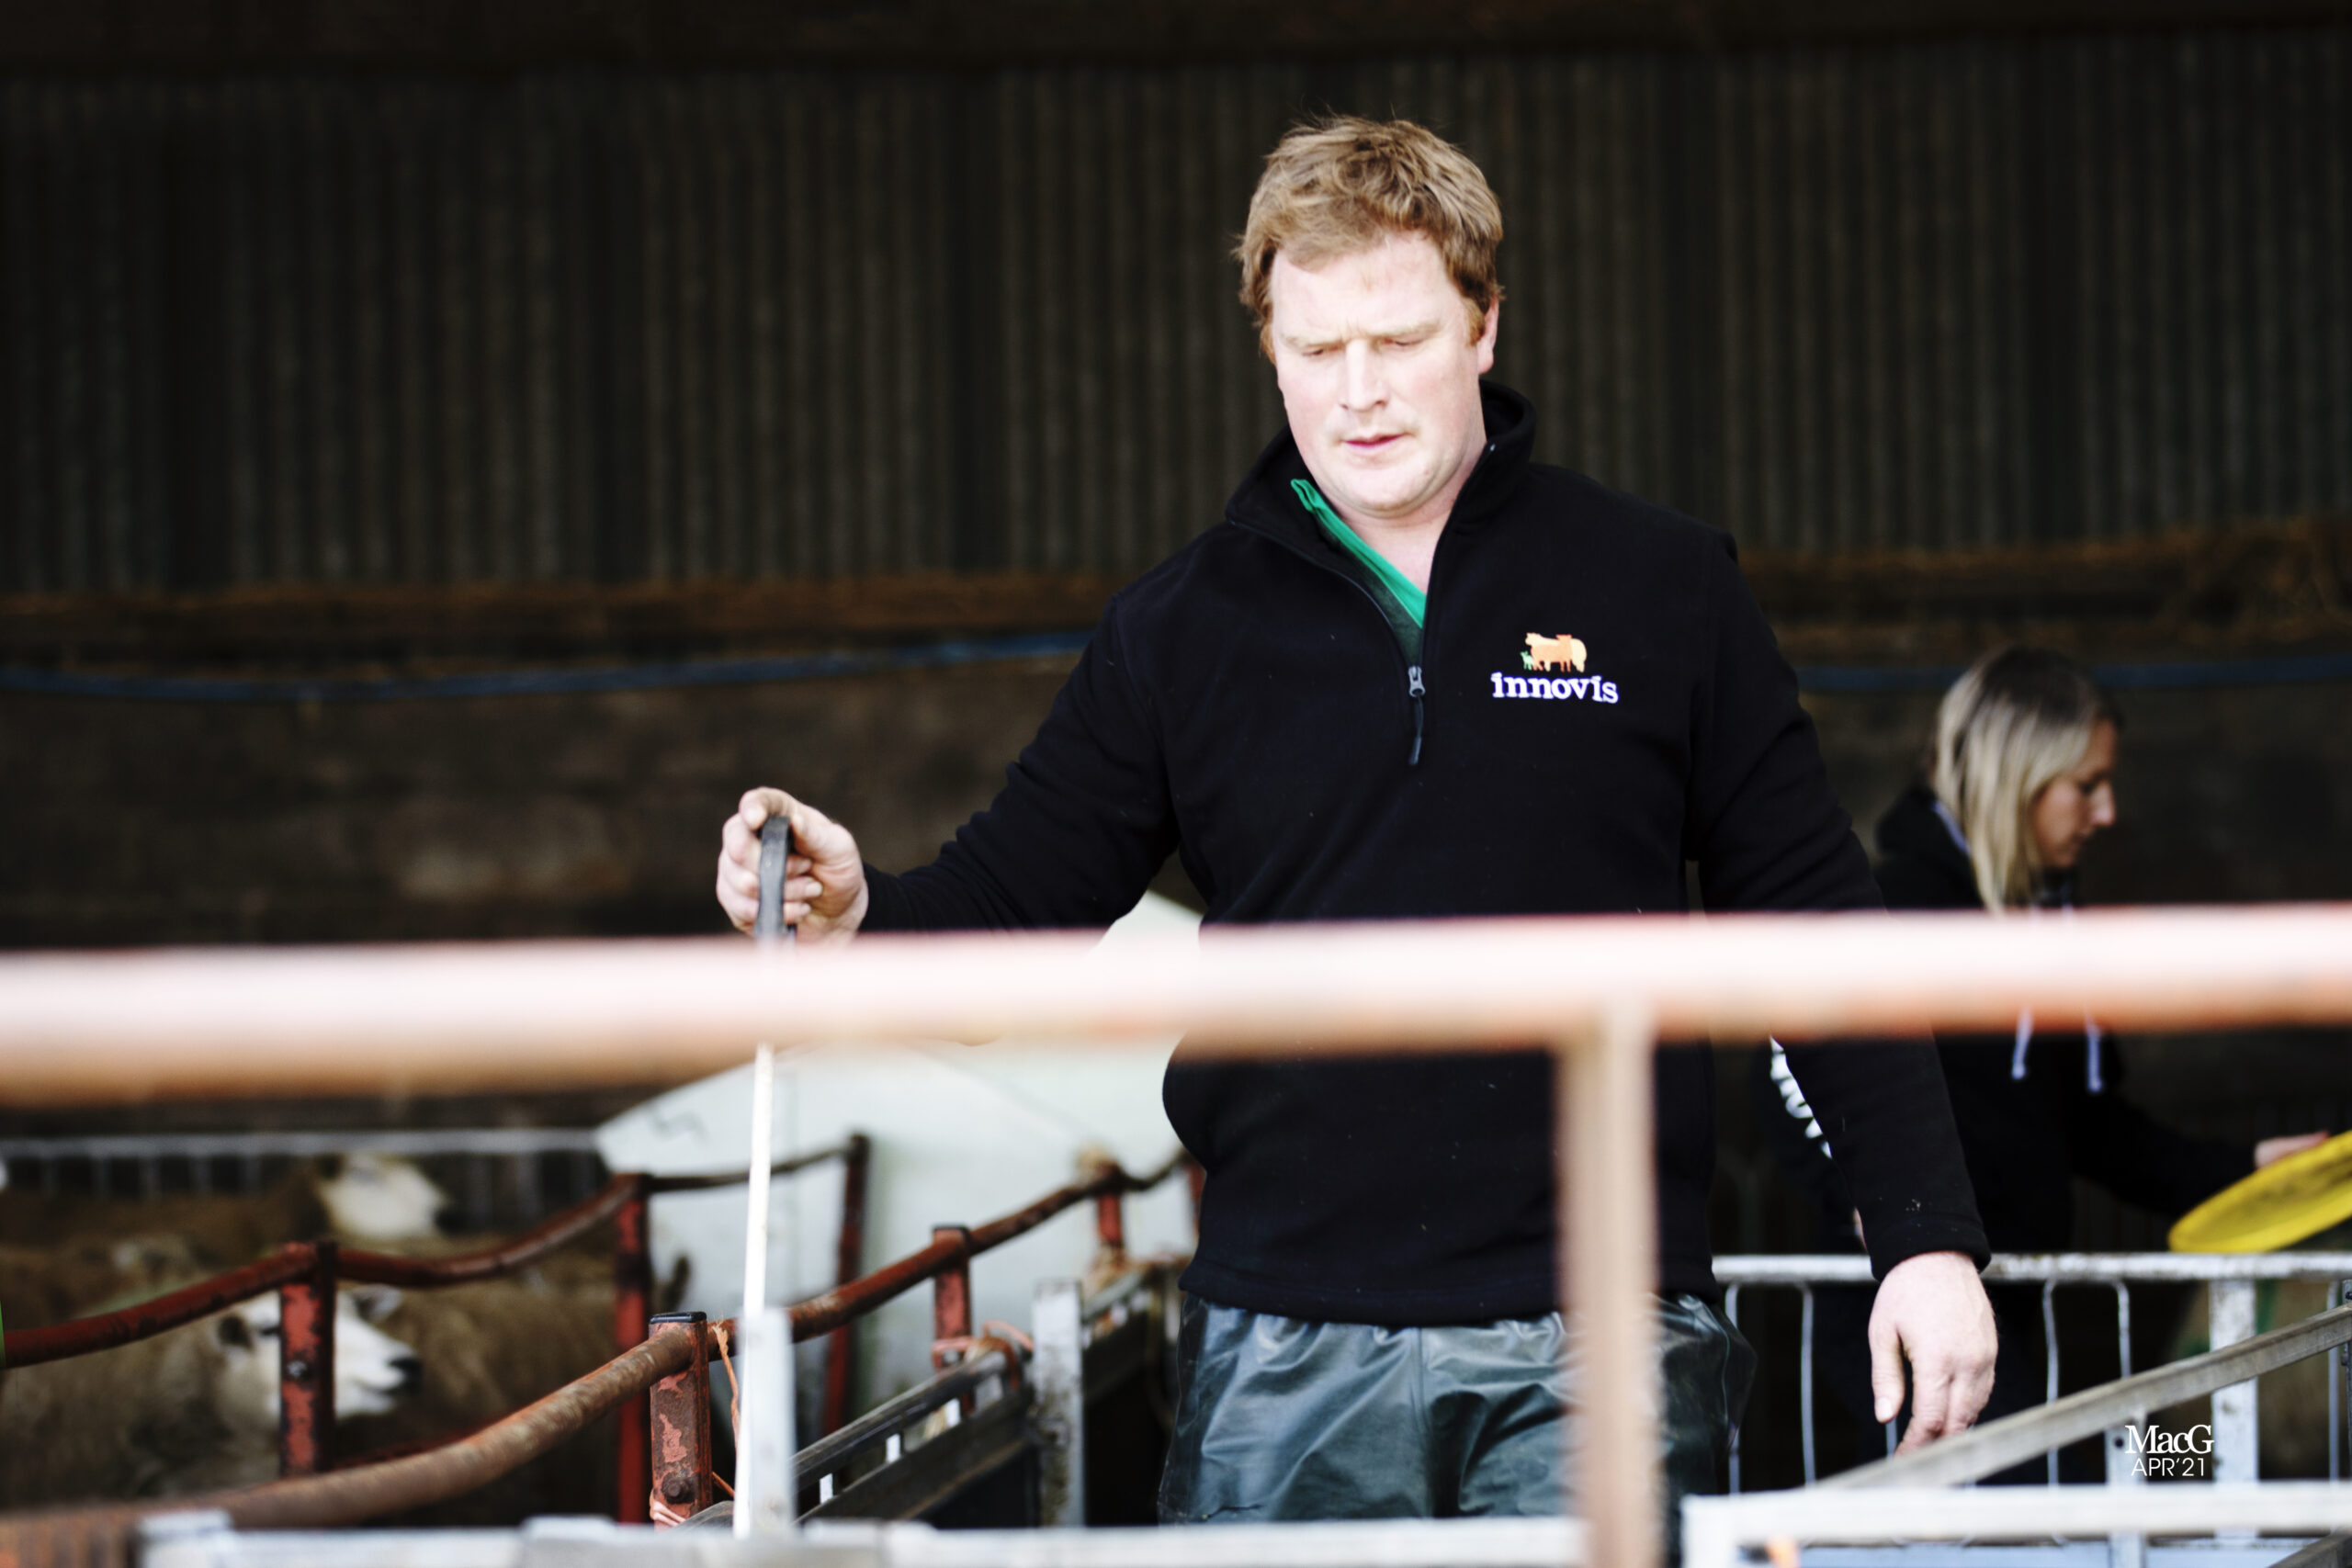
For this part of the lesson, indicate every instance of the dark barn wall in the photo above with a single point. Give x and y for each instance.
(134, 822)
(501, 817)
(622, 325)
(622, 329)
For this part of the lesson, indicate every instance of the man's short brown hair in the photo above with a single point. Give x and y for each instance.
(1340, 185)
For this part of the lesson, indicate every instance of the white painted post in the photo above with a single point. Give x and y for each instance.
(764, 1500)
(2236, 1418)
(1059, 1373)
(2125, 1549)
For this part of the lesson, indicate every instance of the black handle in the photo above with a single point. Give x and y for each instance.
(775, 843)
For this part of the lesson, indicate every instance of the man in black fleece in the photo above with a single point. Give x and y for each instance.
(1417, 675)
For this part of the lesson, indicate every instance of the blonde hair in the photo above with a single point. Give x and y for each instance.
(2018, 719)
(1339, 185)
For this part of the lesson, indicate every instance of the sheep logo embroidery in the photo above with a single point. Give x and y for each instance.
(1563, 653)
(1546, 655)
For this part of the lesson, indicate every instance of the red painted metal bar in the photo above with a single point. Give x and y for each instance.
(704, 1183)
(680, 1416)
(849, 1262)
(951, 1289)
(821, 1315)
(305, 1309)
(1111, 1224)
(26, 1346)
(632, 1283)
(349, 1496)
(423, 1273)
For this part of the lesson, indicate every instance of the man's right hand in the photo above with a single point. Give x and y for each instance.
(824, 878)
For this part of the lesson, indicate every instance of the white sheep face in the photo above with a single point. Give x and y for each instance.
(373, 1371)
(382, 1198)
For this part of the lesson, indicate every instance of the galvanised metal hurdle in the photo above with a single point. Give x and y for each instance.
(1602, 993)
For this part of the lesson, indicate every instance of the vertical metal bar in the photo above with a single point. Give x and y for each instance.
(678, 1429)
(764, 1500)
(1058, 1372)
(1804, 1379)
(1731, 1315)
(1609, 1202)
(1111, 1225)
(849, 1262)
(306, 1365)
(2237, 1424)
(766, 1493)
(2335, 1395)
(632, 1282)
(2125, 1549)
(951, 1291)
(2122, 1328)
(2049, 1360)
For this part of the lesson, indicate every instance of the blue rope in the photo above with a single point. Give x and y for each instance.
(1859, 680)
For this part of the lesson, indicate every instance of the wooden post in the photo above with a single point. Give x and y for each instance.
(679, 1433)
(306, 1366)
(632, 1283)
(1608, 1242)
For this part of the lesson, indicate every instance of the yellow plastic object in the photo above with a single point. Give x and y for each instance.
(2276, 1206)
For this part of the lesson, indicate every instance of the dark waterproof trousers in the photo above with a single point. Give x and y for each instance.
(1284, 1419)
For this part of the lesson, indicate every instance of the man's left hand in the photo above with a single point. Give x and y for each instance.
(1932, 1312)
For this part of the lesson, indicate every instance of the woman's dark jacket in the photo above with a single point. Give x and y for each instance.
(2045, 1104)
(1249, 706)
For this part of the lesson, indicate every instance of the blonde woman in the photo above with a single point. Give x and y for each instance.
(2021, 777)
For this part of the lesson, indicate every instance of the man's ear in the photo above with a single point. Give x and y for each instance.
(1488, 327)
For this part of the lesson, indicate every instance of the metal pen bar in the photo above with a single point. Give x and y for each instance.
(1611, 1264)
(1717, 1529)
(1805, 1382)
(828, 1454)
(132, 1027)
(1731, 1315)
(1978, 1452)
(2066, 1268)
(2049, 1360)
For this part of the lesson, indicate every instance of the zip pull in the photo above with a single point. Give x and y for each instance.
(1413, 690)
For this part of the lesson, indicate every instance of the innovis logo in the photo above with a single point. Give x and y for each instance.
(1558, 652)
(2152, 1451)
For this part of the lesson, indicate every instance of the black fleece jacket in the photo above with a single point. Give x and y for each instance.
(2045, 1104)
(1248, 705)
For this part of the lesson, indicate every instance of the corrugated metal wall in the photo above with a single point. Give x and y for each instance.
(591, 326)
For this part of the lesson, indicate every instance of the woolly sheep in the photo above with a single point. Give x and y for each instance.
(192, 1411)
(489, 1348)
(367, 1199)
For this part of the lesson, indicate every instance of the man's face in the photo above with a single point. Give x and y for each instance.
(1379, 377)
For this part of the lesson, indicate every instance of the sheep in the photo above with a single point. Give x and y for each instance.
(1561, 653)
(364, 1197)
(490, 1348)
(40, 1286)
(189, 1411)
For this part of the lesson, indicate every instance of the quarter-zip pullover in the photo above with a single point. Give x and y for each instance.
(1597, 700)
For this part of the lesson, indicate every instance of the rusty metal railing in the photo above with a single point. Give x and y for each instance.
(665, 1376)
(307, 1274)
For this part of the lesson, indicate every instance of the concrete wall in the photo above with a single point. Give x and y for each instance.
(137, 822)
